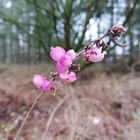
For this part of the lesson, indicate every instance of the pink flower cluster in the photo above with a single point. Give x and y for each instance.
(65, 69)
(42, 83)
(64, 60)
(94, 54)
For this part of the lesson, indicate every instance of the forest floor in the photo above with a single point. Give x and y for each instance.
(99, 106)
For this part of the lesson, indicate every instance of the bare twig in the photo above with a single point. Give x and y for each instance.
(27, 115)
(121, 45)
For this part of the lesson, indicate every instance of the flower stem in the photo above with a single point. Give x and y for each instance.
(27, 115)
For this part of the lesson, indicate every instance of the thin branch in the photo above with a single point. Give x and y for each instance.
(27, 115)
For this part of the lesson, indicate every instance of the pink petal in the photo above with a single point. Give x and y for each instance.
(72, 77)
(118, 28)
(96, 55)
(41, 82)
(72, 54)
(38, 81)
(47, 85)
(66, 60)
(63, 76)
(56, 53)
(60, 68)
(68, 77)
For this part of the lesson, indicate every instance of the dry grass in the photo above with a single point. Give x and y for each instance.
(114, 99)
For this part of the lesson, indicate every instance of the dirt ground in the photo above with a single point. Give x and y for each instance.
(98, 106)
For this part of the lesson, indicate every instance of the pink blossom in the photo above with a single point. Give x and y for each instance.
(66, 60)
(119, 28)
(38, 81)
(96, 55)
(41, 82)
(56, 53)
(72, 77)
(60, 68)
(47, 85)
(63, 76)
(72, 54)
(68, 77)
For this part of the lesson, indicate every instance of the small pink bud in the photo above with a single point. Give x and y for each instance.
(60, 68)
(96, 55)
(66, 60)
(72, 54)
(38, 81)
(72, 77)
(47, 85)
(119, 28)
(41, 83)
(56, 53)
(68, 77)
(63, 76)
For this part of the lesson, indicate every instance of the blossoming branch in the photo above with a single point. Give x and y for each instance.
(65, 67)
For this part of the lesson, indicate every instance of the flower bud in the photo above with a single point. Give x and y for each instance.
(38, 81)
(96, 55)
(72, 54)
(118, 28)
(68, 77)
(47, 85)
(41, 83)
(56, 53)
(72, 77)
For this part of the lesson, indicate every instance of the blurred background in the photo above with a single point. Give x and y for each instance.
(29, 28)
